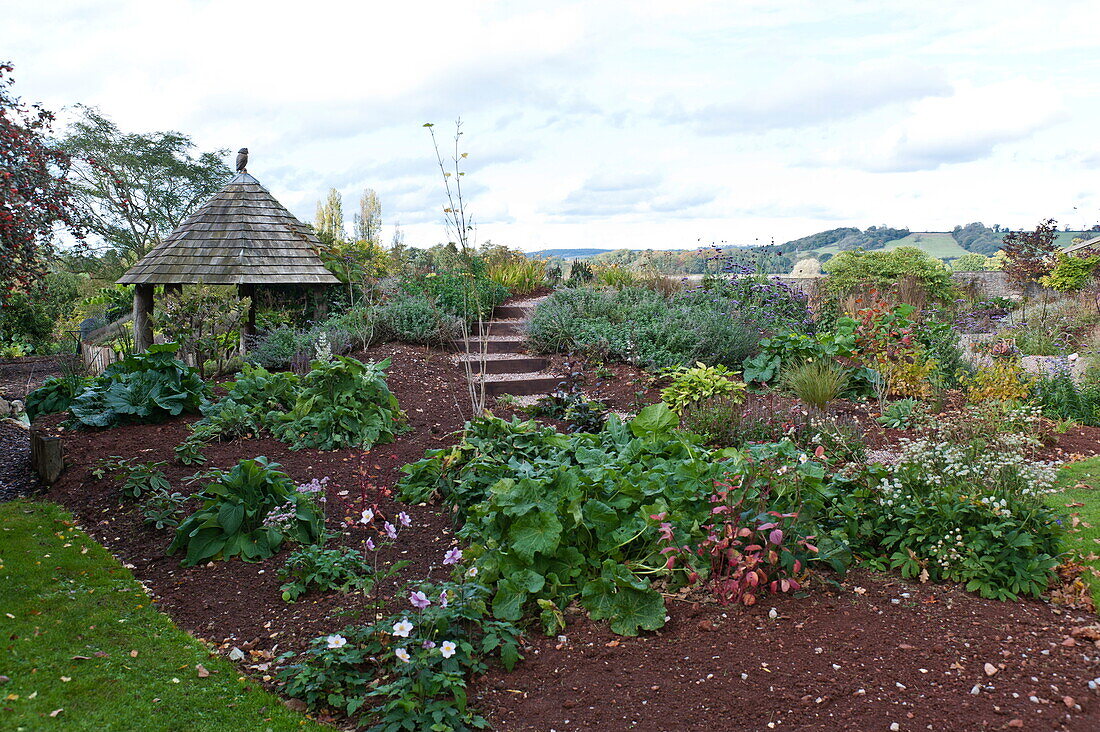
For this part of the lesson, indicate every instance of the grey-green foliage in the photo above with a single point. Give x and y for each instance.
(642, 326)
(414, 318)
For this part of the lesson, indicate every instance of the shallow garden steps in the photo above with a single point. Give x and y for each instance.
(507, 368)
(505, 363)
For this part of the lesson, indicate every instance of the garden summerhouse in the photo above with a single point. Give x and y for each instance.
(242, 236)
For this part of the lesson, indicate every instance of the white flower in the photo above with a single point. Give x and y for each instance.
(402, 654)
(447, 649)
(402, 628)
(471, 572)
(368, 516)
(336, 641)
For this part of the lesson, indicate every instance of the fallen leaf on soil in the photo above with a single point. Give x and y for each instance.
(81, 658)
(55, 712)
(133, 654)
(201, 671)
(612, 644)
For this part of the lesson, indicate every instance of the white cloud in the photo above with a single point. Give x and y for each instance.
(965, 127)
(611, 123)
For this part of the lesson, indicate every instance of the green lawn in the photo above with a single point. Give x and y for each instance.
(1080, 483)
(84, 649)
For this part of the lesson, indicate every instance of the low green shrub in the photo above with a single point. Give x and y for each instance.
(644, 327)
(247, 511)
(414, 318)
(340, 403)
(1061, 397)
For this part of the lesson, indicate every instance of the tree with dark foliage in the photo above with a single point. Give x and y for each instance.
(35, 198)
(1029, 255)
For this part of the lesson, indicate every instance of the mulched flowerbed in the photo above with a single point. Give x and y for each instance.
(875, 652)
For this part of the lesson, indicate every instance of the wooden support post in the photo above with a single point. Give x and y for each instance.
(248, 326)
(143, 313)
(47, 456)
(320, 308)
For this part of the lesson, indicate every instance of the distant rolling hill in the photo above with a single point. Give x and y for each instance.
(823, 245)
(568, 253)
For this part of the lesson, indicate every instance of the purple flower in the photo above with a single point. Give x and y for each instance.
(369, 544)
(453, 556)
(391, 531)
(428, 645)
(403, 519)
(419, 600)
(443, 598)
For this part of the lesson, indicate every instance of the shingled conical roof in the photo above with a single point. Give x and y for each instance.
(241, 236)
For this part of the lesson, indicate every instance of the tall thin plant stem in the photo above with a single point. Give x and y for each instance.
(460, 228)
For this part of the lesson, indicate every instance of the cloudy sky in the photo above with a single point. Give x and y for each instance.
(608, 124)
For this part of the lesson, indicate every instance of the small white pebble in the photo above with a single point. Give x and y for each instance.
(894, 727)
(1033, 699)
(977, 689)
(899, 685)
(836, 667)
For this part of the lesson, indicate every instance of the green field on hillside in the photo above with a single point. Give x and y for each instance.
(938, 244)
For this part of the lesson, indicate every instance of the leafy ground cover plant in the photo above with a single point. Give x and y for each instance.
(900, 415)
(55, 395)
(340, 403)
(413, 664)
(161, 509)
(312, 567)
(963, 513)
(700, 382)
(570, 405)
(552, 518)
(248, 511)
(140, 477)
(751, 546)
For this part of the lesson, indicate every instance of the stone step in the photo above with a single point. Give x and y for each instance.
(505, 312)
(501, 327)
(496, 344)
(526, 386)
(508, 365)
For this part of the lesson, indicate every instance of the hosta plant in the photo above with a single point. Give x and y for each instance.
(248, 511)
(698, 383)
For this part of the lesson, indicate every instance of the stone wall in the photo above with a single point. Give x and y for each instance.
(995, 283)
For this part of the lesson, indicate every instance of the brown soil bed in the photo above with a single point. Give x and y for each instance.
(915, 651)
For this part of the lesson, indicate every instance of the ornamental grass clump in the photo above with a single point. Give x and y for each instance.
(816, 382)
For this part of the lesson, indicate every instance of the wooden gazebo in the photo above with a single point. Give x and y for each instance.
(242, 236)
